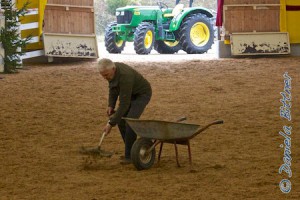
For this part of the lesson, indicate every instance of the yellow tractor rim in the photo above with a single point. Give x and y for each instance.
(119, 43)
(171, 44)
(148, 39)
(199, 34)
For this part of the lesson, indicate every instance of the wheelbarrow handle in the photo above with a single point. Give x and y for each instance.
(206, 126)
(218, 122)
(183, 118)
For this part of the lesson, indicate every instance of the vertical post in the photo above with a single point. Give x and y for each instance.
(2, 24)
(14, 2)
(19, 48)
(283, 26)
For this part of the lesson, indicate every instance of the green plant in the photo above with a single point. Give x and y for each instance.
(112, 5)
(10, 36)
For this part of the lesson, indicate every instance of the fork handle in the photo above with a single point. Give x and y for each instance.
(101, 139)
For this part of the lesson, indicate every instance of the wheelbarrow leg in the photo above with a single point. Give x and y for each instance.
(190, 157)
(160, 150)
(176, 152)
(190, 153)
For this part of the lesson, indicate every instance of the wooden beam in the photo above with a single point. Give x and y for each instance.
(34, 39)
(70, 6)
(32, 54)
(75, 35)
(29, 26)
(32, 12)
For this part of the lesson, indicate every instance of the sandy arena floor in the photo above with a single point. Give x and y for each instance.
(49, 111)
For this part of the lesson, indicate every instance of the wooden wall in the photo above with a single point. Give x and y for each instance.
(227, 2)
(69, 17)
(72, 2)
(251, 16)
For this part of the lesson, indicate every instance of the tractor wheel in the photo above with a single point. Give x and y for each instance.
(144, 38)
(113, 43)
(196, 34)
(166, 47)
(139, 155)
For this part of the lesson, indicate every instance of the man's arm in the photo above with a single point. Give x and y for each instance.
(125, 99)
(112, 97)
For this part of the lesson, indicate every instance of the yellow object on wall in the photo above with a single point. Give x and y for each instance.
(292, 2)
(40, 6)
(289, 19)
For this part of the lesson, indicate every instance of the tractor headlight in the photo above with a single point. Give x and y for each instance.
(118, 13)
(122, 13)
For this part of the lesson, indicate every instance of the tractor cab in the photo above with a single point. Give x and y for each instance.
(176, 10)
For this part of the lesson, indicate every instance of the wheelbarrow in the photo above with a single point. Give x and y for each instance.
(154, 132)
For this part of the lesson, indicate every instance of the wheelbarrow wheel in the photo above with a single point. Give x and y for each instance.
(140, 156)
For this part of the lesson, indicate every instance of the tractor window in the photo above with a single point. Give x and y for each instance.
(178, 8)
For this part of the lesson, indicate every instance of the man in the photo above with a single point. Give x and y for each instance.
(134, 93)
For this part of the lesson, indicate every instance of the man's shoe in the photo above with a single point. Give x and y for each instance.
(125, 161)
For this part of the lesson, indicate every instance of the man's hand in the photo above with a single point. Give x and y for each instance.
(107, 129)
(110, 111)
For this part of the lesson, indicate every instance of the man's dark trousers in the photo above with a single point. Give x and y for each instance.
(137, 106)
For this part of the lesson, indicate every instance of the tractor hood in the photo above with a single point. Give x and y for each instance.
(134, 15)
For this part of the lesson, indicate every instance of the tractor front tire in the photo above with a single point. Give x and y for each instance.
(144, 38)
(141, 158)
(113, 43)
(196, 34)
(165, 47)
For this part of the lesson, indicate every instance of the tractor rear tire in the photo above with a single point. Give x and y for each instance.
(144, 38)
(196, 34)
(112, 43)
(142, 159)
(165, 47)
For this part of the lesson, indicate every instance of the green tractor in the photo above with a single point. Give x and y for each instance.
(166, 29)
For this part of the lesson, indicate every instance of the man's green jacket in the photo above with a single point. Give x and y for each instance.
(127, 84)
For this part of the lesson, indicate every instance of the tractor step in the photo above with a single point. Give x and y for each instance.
(169, 36)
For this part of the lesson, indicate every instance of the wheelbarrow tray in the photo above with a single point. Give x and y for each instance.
(162, 130)
(143, 149)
